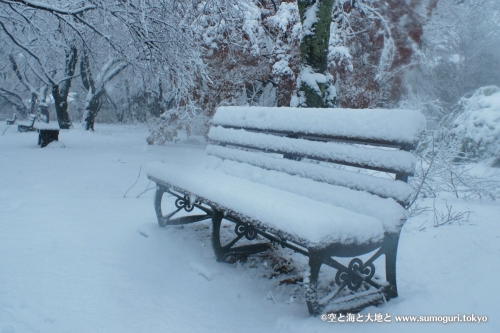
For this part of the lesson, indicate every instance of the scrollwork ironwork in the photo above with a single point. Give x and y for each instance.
(243, 229)
(356, 273)
(184, 203)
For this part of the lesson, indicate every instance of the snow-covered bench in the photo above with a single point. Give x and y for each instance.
(47, 133)
(12, 120)
(29, 127)
(274, 173)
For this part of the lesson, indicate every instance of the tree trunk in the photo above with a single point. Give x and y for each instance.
(60, 91)
(91, 110)
(96, 88)
(33, 103)
(315, 86)
(118, 112)
(61, 105)
(43, 107)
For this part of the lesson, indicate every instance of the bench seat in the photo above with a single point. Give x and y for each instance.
(313, 214)
(387, 211)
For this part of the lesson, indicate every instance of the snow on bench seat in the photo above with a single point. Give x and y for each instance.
(388, 211)
(50, 126)
(404, 126)
(310, 222)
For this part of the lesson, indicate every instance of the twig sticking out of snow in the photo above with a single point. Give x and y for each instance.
(140, 168)
(440, 170)
(449, 216)
(414, 210)
(148, 189)
(5, 130)
(270, 296)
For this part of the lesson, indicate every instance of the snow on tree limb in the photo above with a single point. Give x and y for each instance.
(389, 49)
(49, 8)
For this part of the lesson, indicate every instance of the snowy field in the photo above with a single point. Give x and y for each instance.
(76, 256)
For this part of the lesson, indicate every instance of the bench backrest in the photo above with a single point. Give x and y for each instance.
(374, 139)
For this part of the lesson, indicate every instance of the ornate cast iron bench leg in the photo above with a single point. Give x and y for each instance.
(391, 248)
(356, 278)
(242, 230)
(182, 202)
(216, 244)
(311, 282)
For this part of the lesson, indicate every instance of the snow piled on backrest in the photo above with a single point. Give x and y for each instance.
(397, 125)
(398, 161)
(383, 187)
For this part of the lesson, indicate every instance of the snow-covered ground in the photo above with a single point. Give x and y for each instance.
(76, 256)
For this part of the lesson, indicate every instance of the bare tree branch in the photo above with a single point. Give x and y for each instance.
(51, 9)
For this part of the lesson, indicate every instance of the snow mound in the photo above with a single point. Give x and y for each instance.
(474, 127)
(56, 144)
(202, 270)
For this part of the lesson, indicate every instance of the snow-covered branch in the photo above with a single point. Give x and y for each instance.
(52, 9)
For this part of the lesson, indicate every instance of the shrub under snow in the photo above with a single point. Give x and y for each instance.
(472, 130)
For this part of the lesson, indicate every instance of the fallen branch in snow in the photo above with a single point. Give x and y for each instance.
(449, 216)
(147, 189)
(416, 210)
(140, 168)
(439, 170)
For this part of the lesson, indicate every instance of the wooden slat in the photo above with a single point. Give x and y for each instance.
(392, 161)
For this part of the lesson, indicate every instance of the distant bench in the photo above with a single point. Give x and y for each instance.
(46, 132)
(12, 120)
(7, 120)
(28, 127)
(272, 172)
